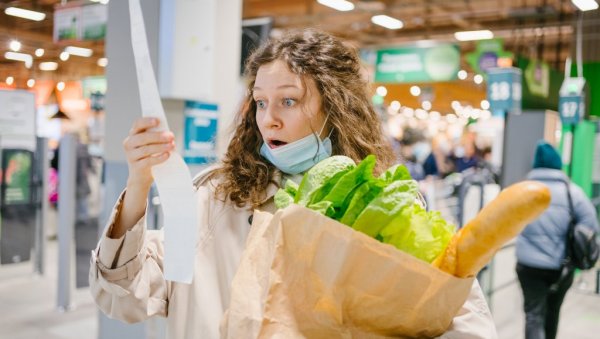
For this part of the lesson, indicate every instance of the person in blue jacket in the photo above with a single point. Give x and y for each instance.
(541, 246)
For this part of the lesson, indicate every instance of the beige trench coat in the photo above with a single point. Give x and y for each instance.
(127, 283)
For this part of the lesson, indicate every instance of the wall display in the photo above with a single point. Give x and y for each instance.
(17, 119)
(200, 132)
(16, 176)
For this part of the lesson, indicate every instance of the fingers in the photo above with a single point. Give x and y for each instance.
(153, 160)
(150, 150)
(147, 138)
(143, 124)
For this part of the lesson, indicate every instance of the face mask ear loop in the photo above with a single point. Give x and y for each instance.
(319, 137)
(323, 127)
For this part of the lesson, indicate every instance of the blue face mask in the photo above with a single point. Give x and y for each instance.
(300, 155)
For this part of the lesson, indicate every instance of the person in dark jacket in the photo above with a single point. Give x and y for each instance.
(541, 246)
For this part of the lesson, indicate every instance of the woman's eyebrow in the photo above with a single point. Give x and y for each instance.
(278, 87)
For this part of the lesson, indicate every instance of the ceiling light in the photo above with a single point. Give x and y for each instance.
(30, 83)
(462, 74)
(14, 45)
(426, 105)
(39, 52)
(82, 52)
(26, 58)
(48, 66)
(102, 62)
(421, 114)
(9, 80)
(485, 104)
(415, 91)
(395, 105)
(64, 56)
(585, 5)
(387, 22)
(60, 86)
(25, 13)
(455, 105)
(340, 5)
(478, 78)
(381, 91)
(473, 35)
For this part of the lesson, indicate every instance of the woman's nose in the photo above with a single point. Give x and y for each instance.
(271, 118)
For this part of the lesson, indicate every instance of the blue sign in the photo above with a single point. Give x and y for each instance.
(504, 91)
(571, 108)
(200, 132)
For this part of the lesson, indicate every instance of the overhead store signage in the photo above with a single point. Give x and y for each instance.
(571, 101)
(415, 64)
(487, 54)
(200, 132)
(504, 91)
(80, 22)
(17, 119)
(537, 77)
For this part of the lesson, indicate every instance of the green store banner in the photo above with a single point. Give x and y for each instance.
(417, 64)
(486, 55)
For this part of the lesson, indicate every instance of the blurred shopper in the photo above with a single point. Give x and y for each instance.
(438, 161)
(412, 148)
(305, 101)
(541, 246)
(465, 154)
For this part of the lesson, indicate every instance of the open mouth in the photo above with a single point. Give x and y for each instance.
(274, 143)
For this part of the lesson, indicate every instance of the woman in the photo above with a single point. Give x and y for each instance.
(305, 101)
(541, 246)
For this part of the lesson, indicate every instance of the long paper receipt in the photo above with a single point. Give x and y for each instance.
(172, 177)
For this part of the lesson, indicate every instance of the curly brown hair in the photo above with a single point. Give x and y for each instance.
(335, 69)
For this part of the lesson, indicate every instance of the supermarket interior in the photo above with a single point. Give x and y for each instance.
(471, 97)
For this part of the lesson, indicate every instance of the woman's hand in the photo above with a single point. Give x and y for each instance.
(144, 149)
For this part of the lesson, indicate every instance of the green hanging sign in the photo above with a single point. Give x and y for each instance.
(416, 64)
(486, 55)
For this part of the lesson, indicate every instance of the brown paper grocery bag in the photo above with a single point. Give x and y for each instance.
(304, 275)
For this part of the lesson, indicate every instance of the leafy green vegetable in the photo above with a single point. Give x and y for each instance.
(285, 196)
(363, 195)
(381, 210)
(340, 194)
(291, 187)
(394, 173)
(418, 232)
(319, 174)
(283, 199)
(383, 207)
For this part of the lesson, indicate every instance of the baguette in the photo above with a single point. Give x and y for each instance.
(473, 246)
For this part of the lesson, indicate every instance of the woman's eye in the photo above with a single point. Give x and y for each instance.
(289, 102)
(260, 104)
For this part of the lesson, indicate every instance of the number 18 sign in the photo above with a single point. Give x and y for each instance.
(504, 89)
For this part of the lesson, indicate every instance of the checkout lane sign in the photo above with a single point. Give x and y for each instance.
(504, 91)
(571, 108)
(200, 132)
(571, 102)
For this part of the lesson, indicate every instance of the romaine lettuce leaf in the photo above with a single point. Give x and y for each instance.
(381, 210)
(418, 232)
